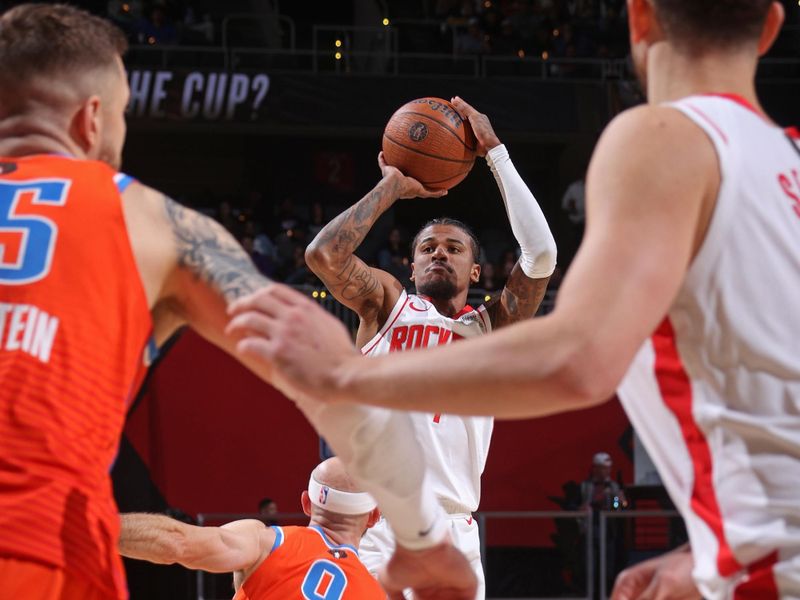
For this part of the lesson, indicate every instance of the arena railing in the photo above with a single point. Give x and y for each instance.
(211, 587)
(387, 61)
(635, 546)
(630, 515)
(275, 28)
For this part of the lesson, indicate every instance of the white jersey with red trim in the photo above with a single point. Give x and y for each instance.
(456, 447)
(715, 394)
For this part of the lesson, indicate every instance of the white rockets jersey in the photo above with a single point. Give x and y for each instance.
(715, 393)
(456, 447)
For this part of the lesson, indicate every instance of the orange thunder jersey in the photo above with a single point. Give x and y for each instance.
(305, 565)
(74, 323)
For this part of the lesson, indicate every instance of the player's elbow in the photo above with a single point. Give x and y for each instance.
(316, 256)
(319, 257)
(587, 379)
(545, 261)
(541, 261)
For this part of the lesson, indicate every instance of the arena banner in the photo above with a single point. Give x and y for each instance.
(275, 103)
(196, 95)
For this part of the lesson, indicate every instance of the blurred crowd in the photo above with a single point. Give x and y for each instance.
(276, 241)
(535, 28)
(546, 28)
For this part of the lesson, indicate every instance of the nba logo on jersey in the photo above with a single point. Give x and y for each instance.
(323, 494)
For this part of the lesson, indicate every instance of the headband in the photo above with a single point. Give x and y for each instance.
(337, 501)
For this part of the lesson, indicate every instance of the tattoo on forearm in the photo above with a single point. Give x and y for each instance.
(211, 254)
(342, 236)
(356, 280)
(520, 299)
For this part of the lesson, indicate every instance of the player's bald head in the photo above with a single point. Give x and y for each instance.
(332, 473)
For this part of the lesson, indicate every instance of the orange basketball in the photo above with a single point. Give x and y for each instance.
(428, 140)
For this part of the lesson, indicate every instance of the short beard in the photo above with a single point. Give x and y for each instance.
(438, 289)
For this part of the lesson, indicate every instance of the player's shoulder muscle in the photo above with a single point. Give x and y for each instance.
(150, 236)
(653, 149)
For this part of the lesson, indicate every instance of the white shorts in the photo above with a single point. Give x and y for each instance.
(377, 547)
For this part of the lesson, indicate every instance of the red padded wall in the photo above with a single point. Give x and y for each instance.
(217, 439)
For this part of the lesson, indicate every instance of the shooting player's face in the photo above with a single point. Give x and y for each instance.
(443, 262)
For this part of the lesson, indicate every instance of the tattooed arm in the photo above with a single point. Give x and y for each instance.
(528, 280)
(190, 266)
(519, 300)
(370, 292)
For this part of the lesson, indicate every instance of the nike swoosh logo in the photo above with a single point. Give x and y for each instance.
(426, 532)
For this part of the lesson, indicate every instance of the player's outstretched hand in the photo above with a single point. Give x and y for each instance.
(484, 133)
(437, 573)
(407, 187)
(294, 338)
(667, 577)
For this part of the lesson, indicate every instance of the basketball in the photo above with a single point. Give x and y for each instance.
(428, 140)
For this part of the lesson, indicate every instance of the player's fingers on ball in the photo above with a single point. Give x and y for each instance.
(429, 193)
(462, 104)
(381, 159)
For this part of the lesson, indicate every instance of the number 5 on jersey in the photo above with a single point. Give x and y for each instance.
(324, 581)
(27, 240)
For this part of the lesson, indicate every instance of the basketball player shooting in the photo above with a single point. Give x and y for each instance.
(317, 561)
(92, 265)
(445, 254)
(681, 296)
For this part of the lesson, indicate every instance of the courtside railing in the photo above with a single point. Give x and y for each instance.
(595, 555)
(216, 587)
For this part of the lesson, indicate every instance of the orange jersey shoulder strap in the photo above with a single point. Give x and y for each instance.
(305, 564)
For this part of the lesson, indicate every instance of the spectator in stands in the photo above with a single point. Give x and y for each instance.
(489, 280)
(601, 493)
(267, 508)
(445, 8)
(261, 242)
(316, 219)
(125, 14)
(393, 257)
(573, 204)
(285, 216)
(156, 28)
(507, 42)
(298, 272)
(507, 262)
(471, 40)
(227, 218)
(491, 22)
(198, 28)
(263, 262)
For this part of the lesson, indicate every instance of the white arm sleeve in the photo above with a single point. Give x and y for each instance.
(379, 449)
(533, 234)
